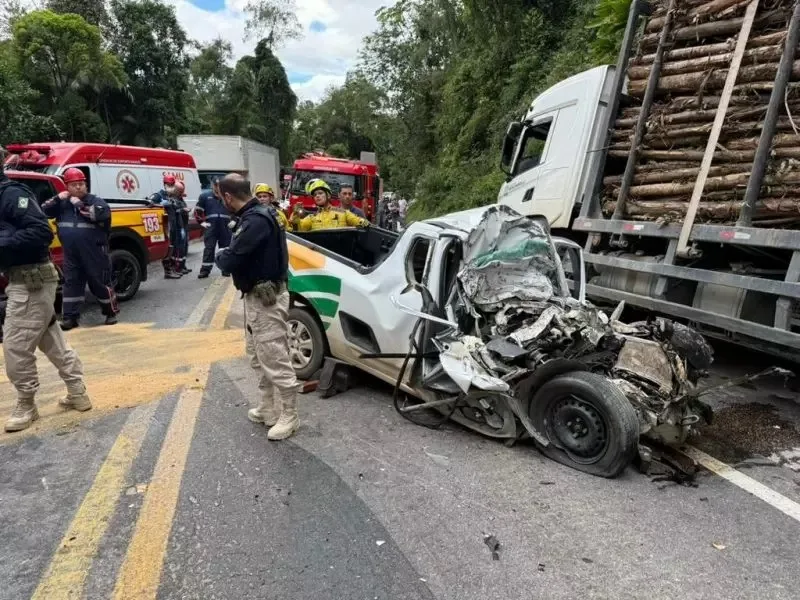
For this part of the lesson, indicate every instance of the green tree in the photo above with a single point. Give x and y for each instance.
(150, 43)
(93, 11)
(18, 122)
(63, 59)
(209, 77)
(259, 102)
(272, 21)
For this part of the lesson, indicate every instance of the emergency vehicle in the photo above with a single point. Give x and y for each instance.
(137, 237)
(336, 172)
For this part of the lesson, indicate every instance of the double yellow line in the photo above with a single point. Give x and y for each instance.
(140, 573)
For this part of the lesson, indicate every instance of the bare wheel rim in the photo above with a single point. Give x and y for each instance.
(301, 345)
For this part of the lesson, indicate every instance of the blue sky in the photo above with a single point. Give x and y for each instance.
(329, 45)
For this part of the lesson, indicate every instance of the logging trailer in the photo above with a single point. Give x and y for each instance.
(679, 169)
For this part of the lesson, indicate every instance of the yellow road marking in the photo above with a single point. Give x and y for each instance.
(748, 484)
(140, 574)
(66, 575)
(224, 309)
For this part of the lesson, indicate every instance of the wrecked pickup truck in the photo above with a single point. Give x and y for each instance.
(472, 315)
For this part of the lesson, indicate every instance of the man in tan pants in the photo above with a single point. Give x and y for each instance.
(257, 259)
(30, 322)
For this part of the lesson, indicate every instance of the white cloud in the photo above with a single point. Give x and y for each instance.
(325, 56)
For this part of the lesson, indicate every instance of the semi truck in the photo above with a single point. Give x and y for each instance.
(218, 155)
(676, 168)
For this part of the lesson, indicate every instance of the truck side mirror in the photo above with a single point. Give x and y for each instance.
(571, 256)
(510, 142)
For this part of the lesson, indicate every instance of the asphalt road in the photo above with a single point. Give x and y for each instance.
(165, 490)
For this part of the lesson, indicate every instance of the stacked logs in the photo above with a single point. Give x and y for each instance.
(694, 68)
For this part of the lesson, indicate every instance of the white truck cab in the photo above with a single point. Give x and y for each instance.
(552, 155)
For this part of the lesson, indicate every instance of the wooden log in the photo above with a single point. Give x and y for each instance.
(781, 140)
(701, 50)
(694, 155)
(716, 61)
(711, 80)
(723, 182)
(707, 210)
(664, 118)
(682, 174)
(718, 28)
(698, 13)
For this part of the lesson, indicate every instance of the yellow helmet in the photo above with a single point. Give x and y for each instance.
(263, 188)
(318, 184)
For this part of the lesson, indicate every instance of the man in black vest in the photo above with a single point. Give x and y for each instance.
(258, 260)
(30, 323)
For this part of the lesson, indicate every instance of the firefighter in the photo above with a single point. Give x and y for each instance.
(164, 198)
(258, 260)
(214, 218)
(267, 197)
(182, 218)
(25, 237)
(83, 221)
(327, 216)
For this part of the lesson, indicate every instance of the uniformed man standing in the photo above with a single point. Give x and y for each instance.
(164, 198)
(25, 237)
(267, 197)
(258, 260)
(214, 218)
(182, 211)
(327, 216)
(83, 221)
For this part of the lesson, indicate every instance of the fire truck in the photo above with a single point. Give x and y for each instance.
(363, 176)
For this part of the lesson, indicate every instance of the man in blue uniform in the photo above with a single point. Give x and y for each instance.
(30, 323)
(83, 221)
(164, 198)
(258, 260)
(214, 218)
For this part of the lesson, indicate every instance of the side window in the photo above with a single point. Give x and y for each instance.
(533, 145)
(417, 259)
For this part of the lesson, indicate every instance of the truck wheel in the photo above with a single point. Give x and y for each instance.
(126, 274)
(589, 422)
(306, 343)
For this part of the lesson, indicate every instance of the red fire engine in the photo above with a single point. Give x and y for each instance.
(364, 177)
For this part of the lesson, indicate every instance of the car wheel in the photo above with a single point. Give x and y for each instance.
(590, 424)
(306, 343)
(126, 274)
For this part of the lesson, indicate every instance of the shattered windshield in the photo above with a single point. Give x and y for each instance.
(509, 258)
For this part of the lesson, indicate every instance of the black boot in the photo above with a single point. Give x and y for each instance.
(203, 274)
(68, 324)
(111, 319)
(183, 269)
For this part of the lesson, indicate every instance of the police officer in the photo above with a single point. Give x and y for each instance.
(214, 218)
(258, 261)
(327, 216)
(83, 221)
(31, 323)
(266, 197)
(164, 198)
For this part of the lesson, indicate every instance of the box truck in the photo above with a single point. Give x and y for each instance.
(217, 155)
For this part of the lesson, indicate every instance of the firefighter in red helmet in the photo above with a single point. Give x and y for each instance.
(83, 222)
(165, 198)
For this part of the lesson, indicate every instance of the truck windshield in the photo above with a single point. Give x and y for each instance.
(335, 180)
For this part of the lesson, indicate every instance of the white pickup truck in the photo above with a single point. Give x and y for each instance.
(472, 314)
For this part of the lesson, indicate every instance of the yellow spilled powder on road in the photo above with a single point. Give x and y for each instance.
(125, 365)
